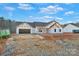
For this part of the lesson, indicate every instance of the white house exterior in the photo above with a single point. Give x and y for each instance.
(24, 26)
(50, 27)
(70, 28)
(39, 27)
(54, 28)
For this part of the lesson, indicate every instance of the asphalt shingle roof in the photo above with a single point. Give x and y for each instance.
(33, 24)
(75, 24)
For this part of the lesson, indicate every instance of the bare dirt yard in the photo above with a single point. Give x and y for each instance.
(42, 45)
(2, 44)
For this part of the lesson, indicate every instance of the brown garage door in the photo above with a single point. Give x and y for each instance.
(24, 31)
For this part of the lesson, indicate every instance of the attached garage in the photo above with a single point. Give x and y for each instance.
(24, 31)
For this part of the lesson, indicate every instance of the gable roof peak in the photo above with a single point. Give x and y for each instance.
(53, 21)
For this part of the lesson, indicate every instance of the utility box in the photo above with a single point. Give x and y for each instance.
(5, 32)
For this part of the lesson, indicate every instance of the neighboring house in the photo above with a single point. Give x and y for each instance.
(39, 27)
(71, 28)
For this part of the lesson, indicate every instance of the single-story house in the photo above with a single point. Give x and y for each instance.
(71, 28)
(42, 27)
(39, 27)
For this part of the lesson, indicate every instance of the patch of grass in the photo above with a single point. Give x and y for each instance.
(4, 37)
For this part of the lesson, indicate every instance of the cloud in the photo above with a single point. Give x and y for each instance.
(69, 12)
(44, 18)
(51, 9)
(8, 8)
(30, 16)
(25, 6)
(59, 18)
(41, 17)
(47, 17)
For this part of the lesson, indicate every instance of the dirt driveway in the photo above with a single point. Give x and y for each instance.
(37, 45)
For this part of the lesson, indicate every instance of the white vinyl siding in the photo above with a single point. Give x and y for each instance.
(23, 26)
(57, 30)
(70, 28)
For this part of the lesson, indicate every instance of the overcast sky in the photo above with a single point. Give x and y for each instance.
(43, 12)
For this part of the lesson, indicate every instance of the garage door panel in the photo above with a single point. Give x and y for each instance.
(24, 31)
